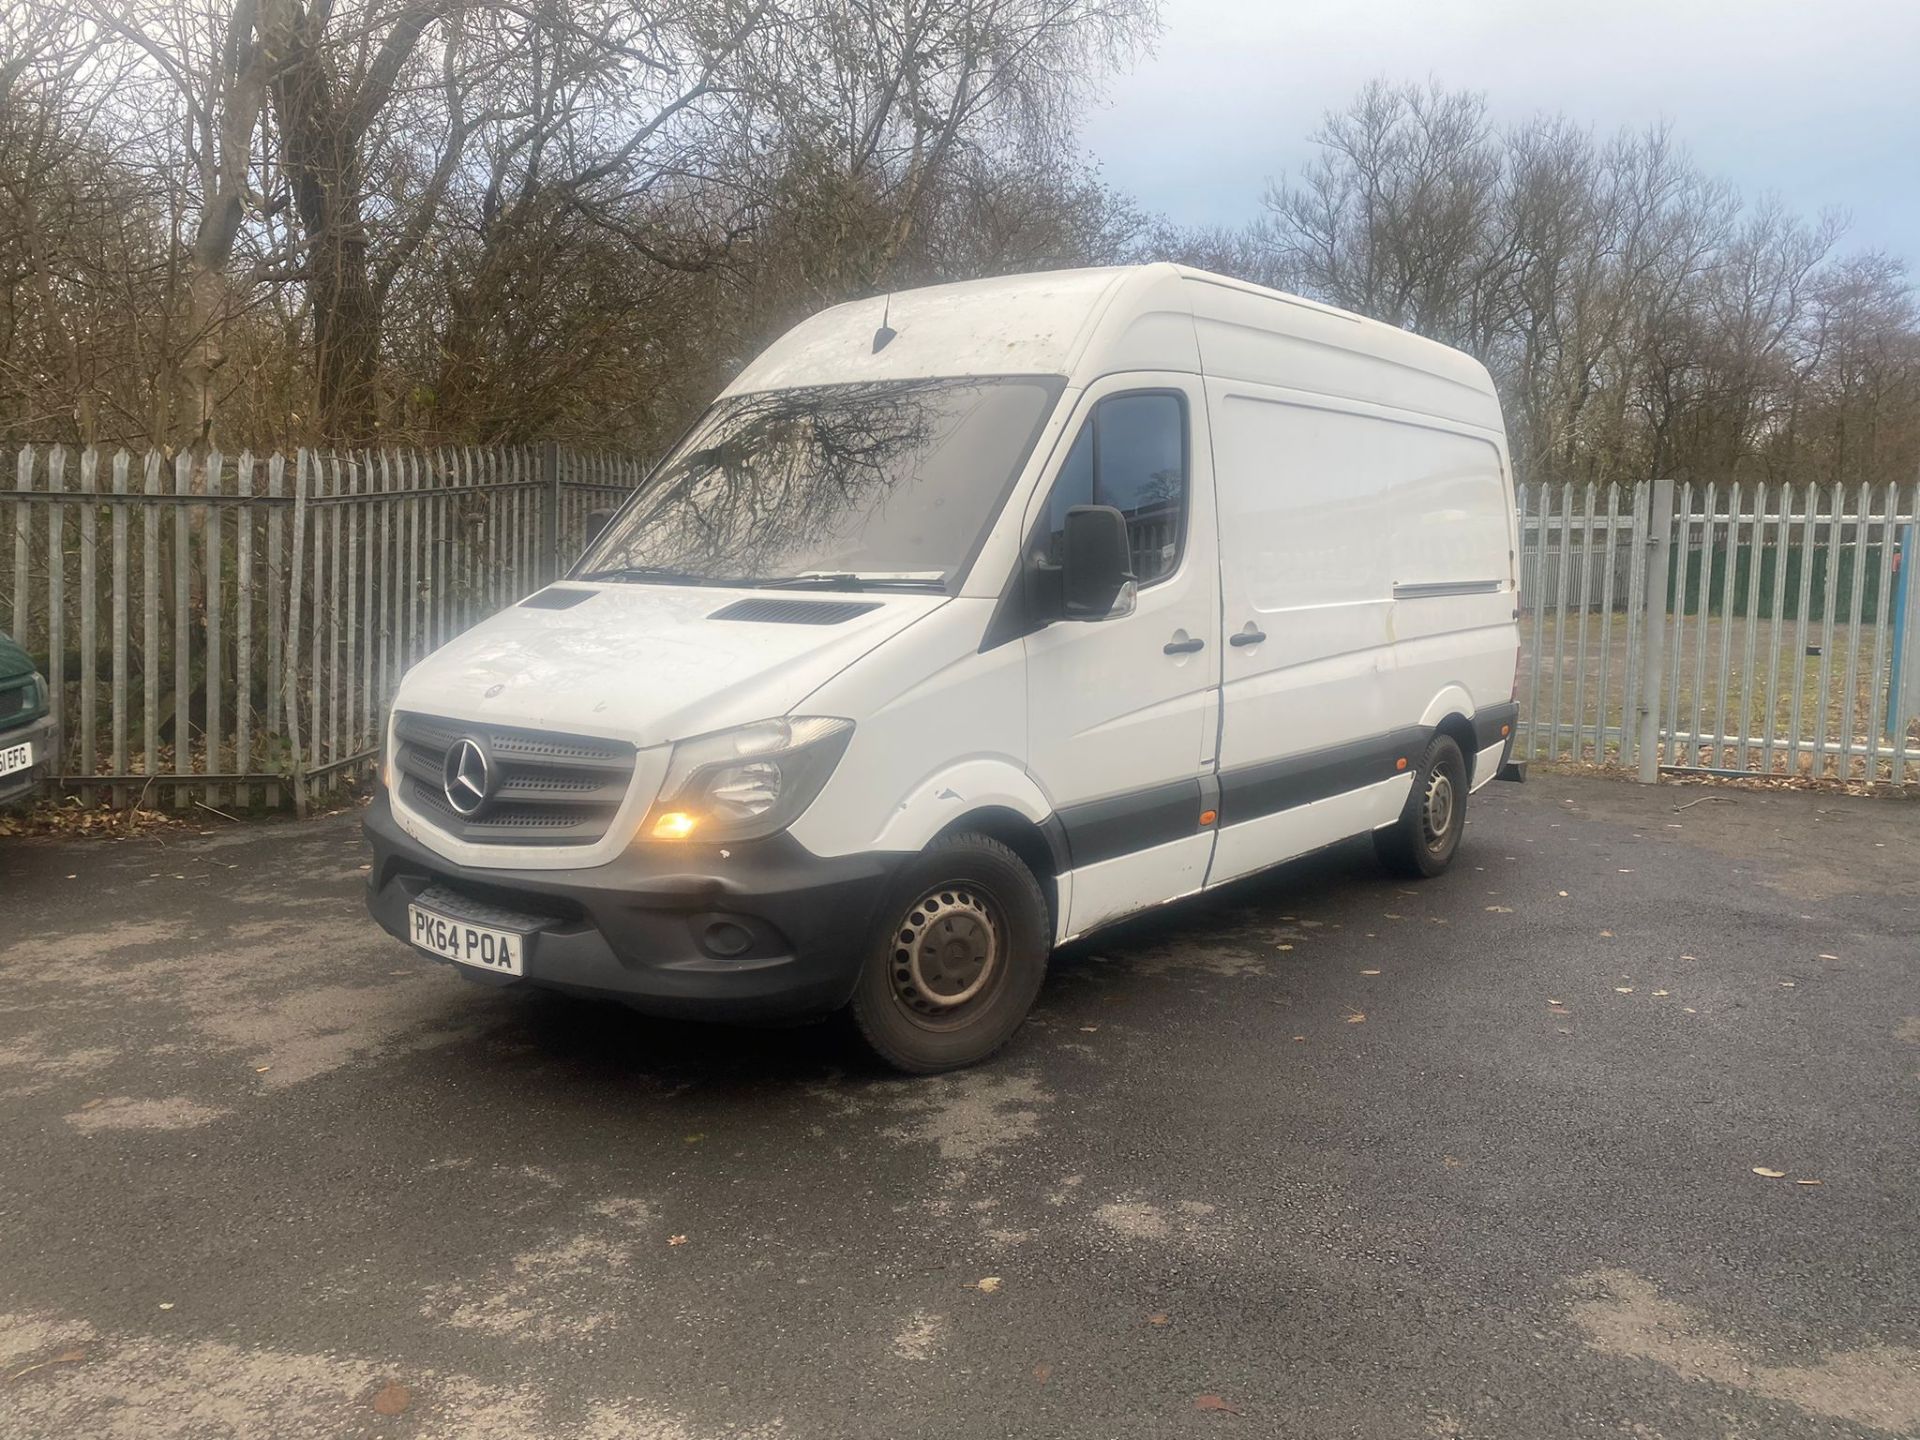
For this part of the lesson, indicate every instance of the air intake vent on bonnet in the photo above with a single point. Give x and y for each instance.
(771, 611)
(554, 598)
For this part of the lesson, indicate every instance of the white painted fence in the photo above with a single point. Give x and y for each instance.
(229, 630)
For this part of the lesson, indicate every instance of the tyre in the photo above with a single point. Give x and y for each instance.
(1422, 841)
(959, 955)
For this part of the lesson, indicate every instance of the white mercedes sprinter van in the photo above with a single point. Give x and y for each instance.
(964, 622)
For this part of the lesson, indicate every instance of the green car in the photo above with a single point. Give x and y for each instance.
(26, 730)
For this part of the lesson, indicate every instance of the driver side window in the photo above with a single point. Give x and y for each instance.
(1131, 454)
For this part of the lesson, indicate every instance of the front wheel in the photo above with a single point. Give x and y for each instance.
(1422, 841)
(958, 958)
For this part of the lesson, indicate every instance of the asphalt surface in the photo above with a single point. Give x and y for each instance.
(1318, 1156)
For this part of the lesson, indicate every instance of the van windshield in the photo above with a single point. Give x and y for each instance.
(874, 485)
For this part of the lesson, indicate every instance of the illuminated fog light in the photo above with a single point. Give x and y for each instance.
(674, 825)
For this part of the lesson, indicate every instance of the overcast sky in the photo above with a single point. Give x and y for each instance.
(1816, 100)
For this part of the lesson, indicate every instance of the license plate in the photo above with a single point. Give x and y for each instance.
(480, 946)
(16, 757)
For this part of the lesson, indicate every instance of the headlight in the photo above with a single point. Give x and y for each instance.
(747, 782)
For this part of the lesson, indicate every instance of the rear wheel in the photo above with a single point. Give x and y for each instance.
(1422, 841)
(958, 959)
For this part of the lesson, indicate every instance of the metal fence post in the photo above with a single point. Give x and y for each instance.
(1659, 568)
(550, 512)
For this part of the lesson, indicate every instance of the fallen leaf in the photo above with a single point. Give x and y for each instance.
(1391, 916)
(1786, 984)
(1829, 957)
(1214, 1403)
(261, 1069)
(392, 1399)
(1556, 1002)
(1606, 934)
(987, 1285)
(1563, 894)
(1769, 1174)
(166, 1304)
(1658, 993)
(1688, 1009)
(696, 1137)
(1809, 1182)
(1159, 1318)
(1452, 1162)
(1283, 947)
(1499, 909)
(676, 1240)
(1299, 1037)
(1369, 972)
(1042, 1373)
(1623, 989)
(1354, 1017)
(74, 1357)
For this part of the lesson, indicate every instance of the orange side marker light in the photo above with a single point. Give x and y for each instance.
(1207, 817)
(1401, 763)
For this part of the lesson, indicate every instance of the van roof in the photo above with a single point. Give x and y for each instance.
(1082, 324)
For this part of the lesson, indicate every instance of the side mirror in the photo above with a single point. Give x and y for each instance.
(1096, 565)
(596, 522)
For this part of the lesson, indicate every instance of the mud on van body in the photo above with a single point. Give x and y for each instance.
(933, 646)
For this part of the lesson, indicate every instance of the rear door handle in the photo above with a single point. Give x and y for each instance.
(1246, 637)
(1183, 647)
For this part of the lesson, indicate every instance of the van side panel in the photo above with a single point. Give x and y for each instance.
(1304, 506)
(1453, 566)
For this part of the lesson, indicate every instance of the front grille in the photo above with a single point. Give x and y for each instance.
(550, 789)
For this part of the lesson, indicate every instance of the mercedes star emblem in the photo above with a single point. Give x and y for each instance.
(468, 777)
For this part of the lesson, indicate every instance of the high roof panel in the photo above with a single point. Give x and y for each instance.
(1087, 323)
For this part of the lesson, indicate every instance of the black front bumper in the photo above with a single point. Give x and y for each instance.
(22, 783)
(759, 931)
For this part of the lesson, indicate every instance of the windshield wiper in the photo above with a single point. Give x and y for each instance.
(652, 574)
(847, 580)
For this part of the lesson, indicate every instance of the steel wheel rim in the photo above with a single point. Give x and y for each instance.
(1437, 810)
(946, 954)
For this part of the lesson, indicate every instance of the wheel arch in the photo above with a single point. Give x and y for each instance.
(1459, 729)
(1041, 847)
(1450, 713)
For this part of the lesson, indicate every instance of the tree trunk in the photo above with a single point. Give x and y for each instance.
(321, 155)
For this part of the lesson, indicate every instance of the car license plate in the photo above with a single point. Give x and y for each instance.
(16, 757)
(480, 946)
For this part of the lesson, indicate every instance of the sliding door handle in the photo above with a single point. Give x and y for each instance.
(1183, 647)
(1246, 637)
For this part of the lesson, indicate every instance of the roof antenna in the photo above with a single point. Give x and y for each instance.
(886, 332)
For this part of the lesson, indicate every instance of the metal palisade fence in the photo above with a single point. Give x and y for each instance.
(1736, 629)
(230, 629)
